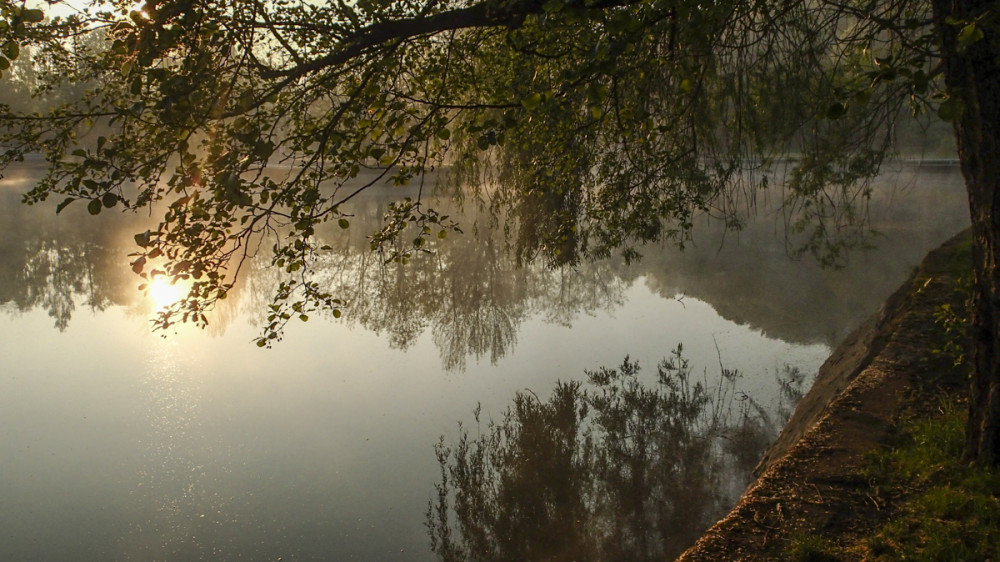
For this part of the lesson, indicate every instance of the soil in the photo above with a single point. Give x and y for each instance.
(811, 481)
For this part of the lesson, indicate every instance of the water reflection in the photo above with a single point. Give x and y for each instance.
(56, 267)
(472, 294)
(619, 469)
(178, 508)
(749, 277)
(116, 443)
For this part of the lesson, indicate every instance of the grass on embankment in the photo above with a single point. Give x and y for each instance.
(952, 508)
(940, 506)
(945, 509)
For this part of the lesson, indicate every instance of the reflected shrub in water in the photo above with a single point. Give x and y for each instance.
(616, 469)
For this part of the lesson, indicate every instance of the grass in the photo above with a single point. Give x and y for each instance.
(945, 507)
(803, 547)
(951, 508)
(930, 502)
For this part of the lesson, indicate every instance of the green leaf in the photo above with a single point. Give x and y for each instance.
(246, 100)
(261, 342)
(63, 205)
(443, 134)
(951, 110)
(336, 313)
(4, 64)
(11, 50)
(94, 207)
(343, 223)
(969, 35)
(109, 200)
(32, 16)
(531, 102)
(552, 6)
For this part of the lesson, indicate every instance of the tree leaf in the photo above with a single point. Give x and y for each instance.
(94, 207)
(32, 16)
(11, 50)
(531, 102)
(969, 35)
(951, 109)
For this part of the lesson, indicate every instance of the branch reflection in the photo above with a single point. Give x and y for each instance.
(473, 293)
(620, 468)
(56, 266)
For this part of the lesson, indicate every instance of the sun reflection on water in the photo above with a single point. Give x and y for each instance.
(164, 293)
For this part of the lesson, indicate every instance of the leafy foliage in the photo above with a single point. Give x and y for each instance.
(595, 125)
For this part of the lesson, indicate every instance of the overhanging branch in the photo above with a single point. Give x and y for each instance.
(483, 15)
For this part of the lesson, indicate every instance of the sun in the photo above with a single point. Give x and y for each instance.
(164, 293)
(140, 8)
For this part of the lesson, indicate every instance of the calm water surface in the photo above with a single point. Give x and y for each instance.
(119, 444)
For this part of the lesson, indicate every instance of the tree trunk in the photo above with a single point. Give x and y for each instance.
(972, 75)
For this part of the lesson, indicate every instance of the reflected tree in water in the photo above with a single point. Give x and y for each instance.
(58, 268)
(471, 292)
(617, 469)
(54, 277)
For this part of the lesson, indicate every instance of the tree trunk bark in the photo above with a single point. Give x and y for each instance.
(972, 75)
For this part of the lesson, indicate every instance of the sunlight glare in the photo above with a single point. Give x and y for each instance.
(164, 293)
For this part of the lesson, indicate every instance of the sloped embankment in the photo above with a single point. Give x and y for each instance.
(811, 481)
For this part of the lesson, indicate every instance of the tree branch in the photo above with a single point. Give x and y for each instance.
(483, 15)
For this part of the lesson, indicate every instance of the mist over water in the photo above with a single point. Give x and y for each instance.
(119, 444)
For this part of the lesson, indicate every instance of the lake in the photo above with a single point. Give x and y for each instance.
(118, 443)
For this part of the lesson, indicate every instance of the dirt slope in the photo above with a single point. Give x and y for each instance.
(810, 481)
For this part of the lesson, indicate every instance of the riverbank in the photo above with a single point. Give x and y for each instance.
(816, 484)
